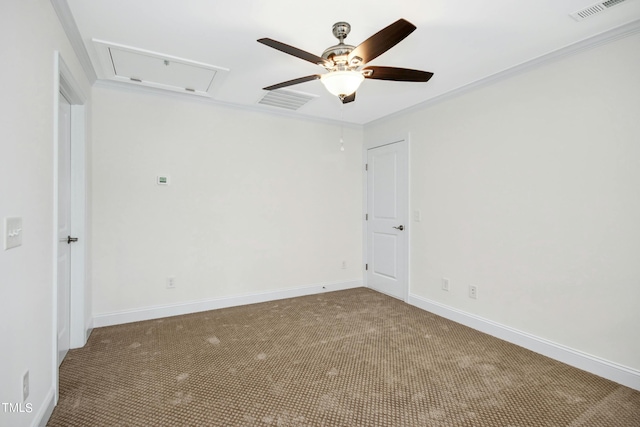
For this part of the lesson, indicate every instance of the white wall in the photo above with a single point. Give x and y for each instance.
(29, 34)
(256, 202)
(530, 190)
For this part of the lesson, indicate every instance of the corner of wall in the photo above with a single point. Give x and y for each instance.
(595, 365)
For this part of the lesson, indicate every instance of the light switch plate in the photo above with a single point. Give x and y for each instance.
(12, 232)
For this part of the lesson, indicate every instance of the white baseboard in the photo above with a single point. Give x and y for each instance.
(156, 312)
(603, 368)
(46, 409)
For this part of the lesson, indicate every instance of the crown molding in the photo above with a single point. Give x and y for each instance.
(186, 97)
(73, 34)
(603, 38)
(68, 23)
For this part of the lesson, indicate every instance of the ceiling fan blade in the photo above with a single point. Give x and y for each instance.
(396, 74)
(294, 51)
(349, 98)
(293, 82)
(382, 41)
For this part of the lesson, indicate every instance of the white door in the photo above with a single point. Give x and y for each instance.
(387, 206)
(64, 226)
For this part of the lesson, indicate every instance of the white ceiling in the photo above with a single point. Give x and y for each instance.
(460, 41)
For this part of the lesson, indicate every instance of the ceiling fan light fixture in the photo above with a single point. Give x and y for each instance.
(342, 83)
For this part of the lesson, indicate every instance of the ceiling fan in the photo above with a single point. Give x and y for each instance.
(346, 65)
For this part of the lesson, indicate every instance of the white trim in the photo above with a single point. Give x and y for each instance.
(572, 49)
(78, 228)
(384, 140)
(44, 413)
(366, 146)
(620, 374)
(253, 108)
(69, 87)
(65, 83)
(57, 60)
(156, 312)
(409, 221)
(68, 84)
(365, 259)
(73, 34)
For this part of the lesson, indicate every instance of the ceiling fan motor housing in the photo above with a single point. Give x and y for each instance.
(338, 54)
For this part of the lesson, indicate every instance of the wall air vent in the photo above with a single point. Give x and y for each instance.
(287, 99)
(588, 12)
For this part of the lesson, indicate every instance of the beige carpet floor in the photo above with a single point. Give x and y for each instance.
(347, 358)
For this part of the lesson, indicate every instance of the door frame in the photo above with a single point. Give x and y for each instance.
(79, 327)
(366, 146)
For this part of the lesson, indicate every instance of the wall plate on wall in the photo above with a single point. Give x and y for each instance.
(12, 232)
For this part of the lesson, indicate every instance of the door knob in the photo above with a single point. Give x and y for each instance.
(400, 227)
(71, 239)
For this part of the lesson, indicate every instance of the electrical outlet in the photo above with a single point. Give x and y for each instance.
(445, 284)
(473, 292)
(171, 282)
(25, 386)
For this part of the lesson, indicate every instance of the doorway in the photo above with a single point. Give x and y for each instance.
(64, 228)
(387, 207)
(71, 322)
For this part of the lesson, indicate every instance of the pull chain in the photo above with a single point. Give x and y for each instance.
(342, 127)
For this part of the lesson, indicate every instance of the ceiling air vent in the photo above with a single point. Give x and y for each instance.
(588, 12)
(287, 99)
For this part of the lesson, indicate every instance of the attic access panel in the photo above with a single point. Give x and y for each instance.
(146, 68)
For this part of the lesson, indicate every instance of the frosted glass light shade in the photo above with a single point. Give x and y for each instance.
(342, 82)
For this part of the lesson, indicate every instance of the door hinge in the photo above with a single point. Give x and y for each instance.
(366, 266)
(366, 217)
(366, 166)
